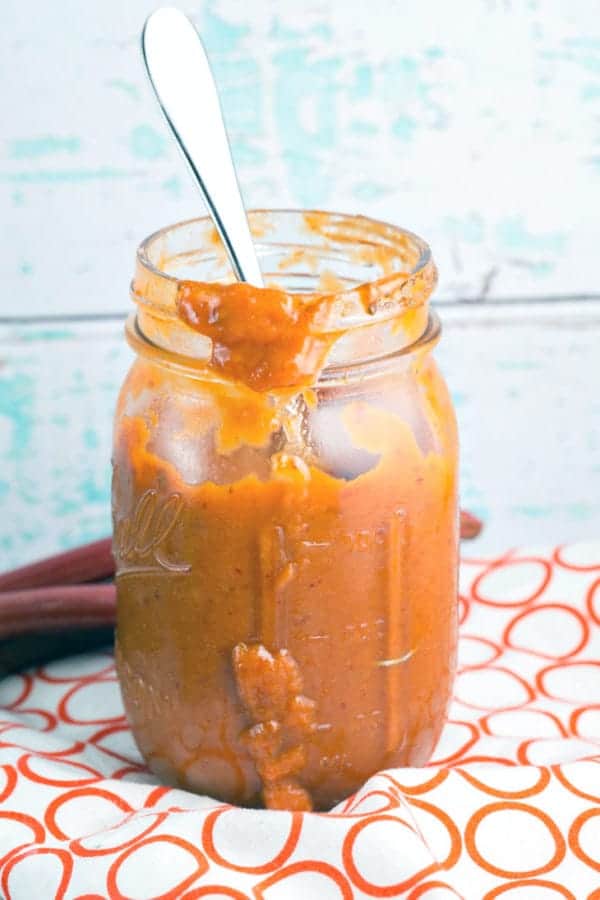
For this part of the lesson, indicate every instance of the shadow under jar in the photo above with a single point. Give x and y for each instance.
(285, 511)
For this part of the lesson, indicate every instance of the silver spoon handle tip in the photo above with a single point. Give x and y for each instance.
(180, 74)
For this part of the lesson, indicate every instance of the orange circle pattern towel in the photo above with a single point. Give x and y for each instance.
(508, 807)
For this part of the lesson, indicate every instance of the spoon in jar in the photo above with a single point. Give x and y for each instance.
(179, 71)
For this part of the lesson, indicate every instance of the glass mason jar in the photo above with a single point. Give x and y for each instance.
(285, 511)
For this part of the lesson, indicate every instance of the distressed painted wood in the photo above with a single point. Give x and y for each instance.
(476, 124)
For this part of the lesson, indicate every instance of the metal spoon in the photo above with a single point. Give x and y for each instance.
(180, 74)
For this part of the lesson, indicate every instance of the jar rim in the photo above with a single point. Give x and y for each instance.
(341, 230)
(359, 286)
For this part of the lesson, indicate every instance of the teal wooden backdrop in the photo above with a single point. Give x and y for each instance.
(477, 124)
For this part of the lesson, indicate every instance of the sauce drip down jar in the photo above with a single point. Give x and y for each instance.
(285, 511)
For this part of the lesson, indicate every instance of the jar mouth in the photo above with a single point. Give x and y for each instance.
(339, 289)
(371, 268)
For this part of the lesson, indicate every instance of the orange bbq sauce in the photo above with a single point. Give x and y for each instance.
(284, 635)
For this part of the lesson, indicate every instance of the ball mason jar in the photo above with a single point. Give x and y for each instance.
(285, 511)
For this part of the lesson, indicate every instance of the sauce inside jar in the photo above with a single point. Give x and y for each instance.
(285, 518)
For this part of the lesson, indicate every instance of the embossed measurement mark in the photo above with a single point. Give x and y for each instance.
(275, 571)
(140, 538)
(396, 628)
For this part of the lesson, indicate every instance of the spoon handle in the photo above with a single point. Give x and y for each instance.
(180, 74)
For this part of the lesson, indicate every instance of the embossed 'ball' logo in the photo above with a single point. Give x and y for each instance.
(141, 537)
